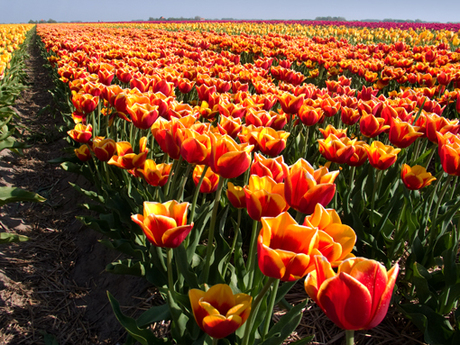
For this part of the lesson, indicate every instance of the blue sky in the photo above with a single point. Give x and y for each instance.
(17, 11)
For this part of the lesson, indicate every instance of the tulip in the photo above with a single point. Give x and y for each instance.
(355, 298)
(104, 149)
(210, 180)
(228, 158)
(449, 153)
(359, 156)
(164, 225)
(335, 149)
(330, 129)
(290, 103)
(236, 196)
(195, 147)
(218, 311)
(143, 115)
(416, 177)
(265, 139)
(340, 237)
(230, 126)
(154, 174)
(264, 197)
(84, 103)
(381, 156)
(372, 126)
(126, 158)
(305, 187)
(272, 167)
(310, 115)
(285, 249)
(402, 134)
(81, 133)
(83, 153)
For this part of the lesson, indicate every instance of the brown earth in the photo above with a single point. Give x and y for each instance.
(55, 284)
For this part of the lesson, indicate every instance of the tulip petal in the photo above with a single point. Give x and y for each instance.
(218, 326)
(345, 301)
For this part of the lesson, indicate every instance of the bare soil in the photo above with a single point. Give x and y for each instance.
(55, 285)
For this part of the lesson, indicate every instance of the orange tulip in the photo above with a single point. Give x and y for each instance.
(236, 196)
(335, 149)
(195, 147)
(265, 139)
(230, 126)
(83, 153)
(143, 115)
(340, 238)
(210, 180)
(285, 248)
(402, 134)
(290, 103)
(381, 156)
(449, 153)
(84, 103)
(264, 197)
(355, 298)
(81, 133)
(305, 187)
(164, 225)
(218, 311)
(104, 149)
(228, 158)
(416, 177)
(154, 174)
(126, 158)
(372, 126)
(272, 167)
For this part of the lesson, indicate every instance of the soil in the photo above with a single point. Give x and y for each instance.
(54, 286)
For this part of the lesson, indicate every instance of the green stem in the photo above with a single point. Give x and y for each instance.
(377, 175)
(184, 182)
(434, 233)
(235, 238)
(195, 195)
(211, 230)
(215, 341)
(171, 173)
(271, 304)
(254, 310)
(169, 255)
(252, 253)
(298, 217)
(349, 337)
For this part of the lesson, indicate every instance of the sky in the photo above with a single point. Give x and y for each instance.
(21, 11)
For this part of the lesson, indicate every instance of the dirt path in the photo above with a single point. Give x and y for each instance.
(55, 283)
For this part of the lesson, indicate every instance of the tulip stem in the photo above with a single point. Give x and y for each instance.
(169, 254)
(434, 233)
(235, 238)
(349, 337)
(184, 182)
(195, 195)
(211, 230)
(252, 253)
(215, 341)
(255, 309)
(271, 304)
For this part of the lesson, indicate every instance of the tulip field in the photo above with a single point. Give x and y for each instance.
(232, 162)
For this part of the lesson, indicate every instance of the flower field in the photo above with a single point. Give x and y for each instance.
(233, 161)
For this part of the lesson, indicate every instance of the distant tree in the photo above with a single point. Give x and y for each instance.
(51, 21)
(33, 21)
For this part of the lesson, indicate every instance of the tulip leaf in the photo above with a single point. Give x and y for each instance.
(90, 194)
(285, 326)
(11, 238)
(436, 328)
(202, 216)
(126, 266)
(144, 336)
(184, 267)
(154, 314)
(125, 246)
(15, 194)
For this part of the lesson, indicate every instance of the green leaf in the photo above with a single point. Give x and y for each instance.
(184, 267)
(155, 314)
(285, 326)
(144, 336)
(126, 266)
(49, 339)
(10, 238)
(90, 194)
(14, 194)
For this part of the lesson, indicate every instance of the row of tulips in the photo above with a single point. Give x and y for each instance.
(178, 104)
